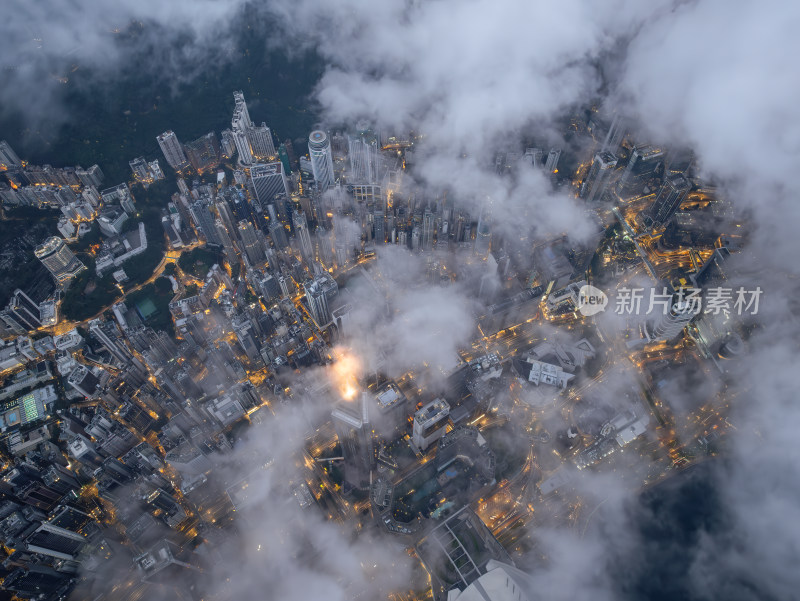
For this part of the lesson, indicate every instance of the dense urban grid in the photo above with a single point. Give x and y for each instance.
(126, 415)
(420, 301)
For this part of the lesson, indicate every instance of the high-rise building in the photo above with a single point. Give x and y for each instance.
(173, 150)
(599, 176)
(352, 424)
(227, 144)
(317, 302)
(261, 143)
(269, 181)
(500, 582)
(203, 153)
(427, 230)
(59, 259)
(429, 423)
(8, 158)
(251, 241)
(669, 325)
(301, 231)
(278, 235)
(93, 176)
(617, 131)
(25, 311)
(645, 164)
(319, 149)
(240, 126)
(200, 211)
(483, 239)
(552, 160)
(380, 227)
(669, 198)
(363, 157)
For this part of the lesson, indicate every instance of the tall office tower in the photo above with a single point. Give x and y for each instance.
(167, 564)
(391, 416)
(37, 582)
(261, 142)
(225, 214)
(319, 149)
(59, 260)
(283, 155)
(278, 234)
(533, 156)
(8, 158)
(680, 160)
(429, 423)
(616, 133)
(380, 227)
(427, 230)
(301, 231)
(227, 144)
(203, 153)
(667, 326)
(500, 582)
(24, 310)
(251, 241)
(204, 221)
(269, 287)
(351, 421)
(363, 157)
(483, 239)
(645, 164)
(108, 335)
(93, 176)
(599, 176)
(173, 150)
(669, 198)
(241, 125)
(226, 241)
(55, 541)
(269, 181)
(317, 302)
(552, 160)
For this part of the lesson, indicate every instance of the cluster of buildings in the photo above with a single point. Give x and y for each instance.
(115, 410)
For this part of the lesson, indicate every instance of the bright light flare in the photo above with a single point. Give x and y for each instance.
(345, 371)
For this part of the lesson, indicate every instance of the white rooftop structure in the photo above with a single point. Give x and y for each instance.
(501, 582)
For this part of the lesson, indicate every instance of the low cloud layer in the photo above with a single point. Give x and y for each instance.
(476, 76)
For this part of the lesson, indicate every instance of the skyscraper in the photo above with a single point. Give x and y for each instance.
(616, 133)
(643, 166)
(380, 227)
(268, 181)
(363, 157)
(24, 310)
(172, 149)
(251, 242)
(8, 158)
(427, 230)
(319, 149)
(599, 176)
(58, 258)
(203, 153)
(669, 325)
(261, 142)
(552, 160)
(669, 198)
(351, 421)
(317, 302)
(241, 126)
(301, 231)
(204, 221)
